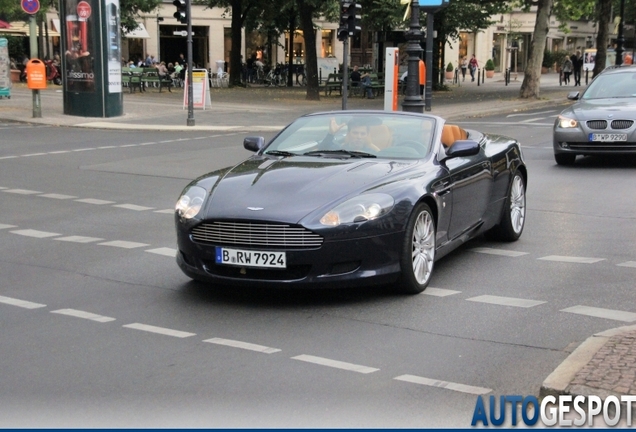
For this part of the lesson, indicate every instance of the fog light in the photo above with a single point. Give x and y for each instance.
(565, 145)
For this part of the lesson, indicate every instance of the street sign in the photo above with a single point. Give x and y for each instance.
(30, 6)
(181, 33)
(83, 9)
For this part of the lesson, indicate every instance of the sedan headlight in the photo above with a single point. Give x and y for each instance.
(190, 202)
(359, 209)
(567, 122)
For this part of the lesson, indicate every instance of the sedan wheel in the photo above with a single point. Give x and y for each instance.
(564, 158)
(418, 255)
(513, 218)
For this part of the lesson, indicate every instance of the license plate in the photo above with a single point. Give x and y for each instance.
(608, 137)
(250, 258)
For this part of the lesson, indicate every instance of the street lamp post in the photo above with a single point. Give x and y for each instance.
(413, 100)
(159, 19)
(621, 39)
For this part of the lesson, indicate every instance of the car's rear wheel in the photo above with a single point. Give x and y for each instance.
(513, 218)
(564, 158)
(418, 254)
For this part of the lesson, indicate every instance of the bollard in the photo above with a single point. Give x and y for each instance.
(483, 76)
(478, 76)
(587, 73)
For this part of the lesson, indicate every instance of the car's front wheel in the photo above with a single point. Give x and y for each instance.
(418, 254)
(564, 158)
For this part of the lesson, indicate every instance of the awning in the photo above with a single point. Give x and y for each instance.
(139, 33)
(4, 25)
(22, 28)
(55, 25)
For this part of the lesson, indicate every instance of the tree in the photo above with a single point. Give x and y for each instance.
(307, 9)
(604, 18)
(129, 11)
(532, 74)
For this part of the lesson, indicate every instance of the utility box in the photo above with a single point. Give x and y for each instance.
(36, 74)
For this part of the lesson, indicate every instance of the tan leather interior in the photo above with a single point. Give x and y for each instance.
(452, 133)
(381, 136)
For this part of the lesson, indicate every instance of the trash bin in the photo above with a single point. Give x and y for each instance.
(36, 74)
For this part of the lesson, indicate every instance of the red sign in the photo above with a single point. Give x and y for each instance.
(30, 6)
(83, 9)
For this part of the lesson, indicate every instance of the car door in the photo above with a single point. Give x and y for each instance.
(471, 187)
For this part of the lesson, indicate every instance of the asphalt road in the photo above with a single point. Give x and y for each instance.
(101, 329)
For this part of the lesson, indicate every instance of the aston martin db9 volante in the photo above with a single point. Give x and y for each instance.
(602, 119)
(351, 198)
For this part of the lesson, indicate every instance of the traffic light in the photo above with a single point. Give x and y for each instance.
(354, 18)
(349, 19)
(181, 14)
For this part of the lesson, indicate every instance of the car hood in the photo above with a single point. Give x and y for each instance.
(289, 189)
(592, 109)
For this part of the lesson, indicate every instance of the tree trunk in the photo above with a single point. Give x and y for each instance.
(604, 18)
(306, 12)
(290, 49)
(532, 74)
(237, 39)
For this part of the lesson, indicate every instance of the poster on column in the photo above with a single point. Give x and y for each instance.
(79, 50)
(113, 44)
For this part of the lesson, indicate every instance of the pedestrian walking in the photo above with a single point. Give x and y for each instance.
(464, 67)
(577, 67)
(566, 68)
(473, 65)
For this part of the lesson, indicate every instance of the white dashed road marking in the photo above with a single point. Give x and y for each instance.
(335, 364)
(169, 252)
(21, 191)
(57, 196)
(79, 239)
(627, 264)
(20, 303)
(123, 244)
(444, 384)
(571, 259)
(243, 345)
(35, 233)
(159, 330)
(501, 252)
(166, 211)
(82, 314)
(94, 201)
(133, 207)
(505, 301)
(602, 313)
(5, 226)
(439, 292)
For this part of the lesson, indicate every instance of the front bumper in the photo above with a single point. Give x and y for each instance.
(576, 141)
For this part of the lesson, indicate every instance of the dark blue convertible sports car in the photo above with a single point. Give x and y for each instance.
(351, 198)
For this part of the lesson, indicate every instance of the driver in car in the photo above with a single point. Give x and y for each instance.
(356, 139)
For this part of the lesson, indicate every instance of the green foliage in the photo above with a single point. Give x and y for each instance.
(16, 46)
(559, 57)
(490, 65)
(130, 10)
(548, 59)
(449, 67)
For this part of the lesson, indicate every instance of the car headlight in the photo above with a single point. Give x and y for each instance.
(567, 122)
(190, 202)
(359, 209)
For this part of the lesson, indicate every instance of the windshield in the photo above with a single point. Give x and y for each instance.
(614, 85)
(356, 135)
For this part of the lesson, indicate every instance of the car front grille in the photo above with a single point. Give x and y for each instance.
(597, 124)
(622, 124)
(256, 234)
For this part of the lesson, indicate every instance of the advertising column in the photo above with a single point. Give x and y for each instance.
(91, 64)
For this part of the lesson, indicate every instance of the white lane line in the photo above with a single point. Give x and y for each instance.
(571, 259)
(123, 244)
(94, 201)
(20, 303)
(133, 207)
(159, 330)
(505, 301)
(501, 252)
(439, 292)
(34, 233)
(59, 152)
(83, 149)
(169, 252)
(2, 188)
(33, 154)
(602, 313)
(21, 191)
(79, 239)
(8, 157)
(5, 226)
(627, 264)
(106, 147)
(335, 364)
(129, 145)
(243, 345)
(166, 211)
(82, 314)
(57, 196)
(532, 120)
(443, 384)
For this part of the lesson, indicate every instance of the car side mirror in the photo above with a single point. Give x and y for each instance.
(573, 95)
(253, 143)
(463, 148)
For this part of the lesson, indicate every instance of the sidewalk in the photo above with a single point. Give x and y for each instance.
(269, 109)
(604, 364)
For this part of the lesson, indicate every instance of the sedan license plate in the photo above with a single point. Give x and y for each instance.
(608, 137)
(250, 258)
